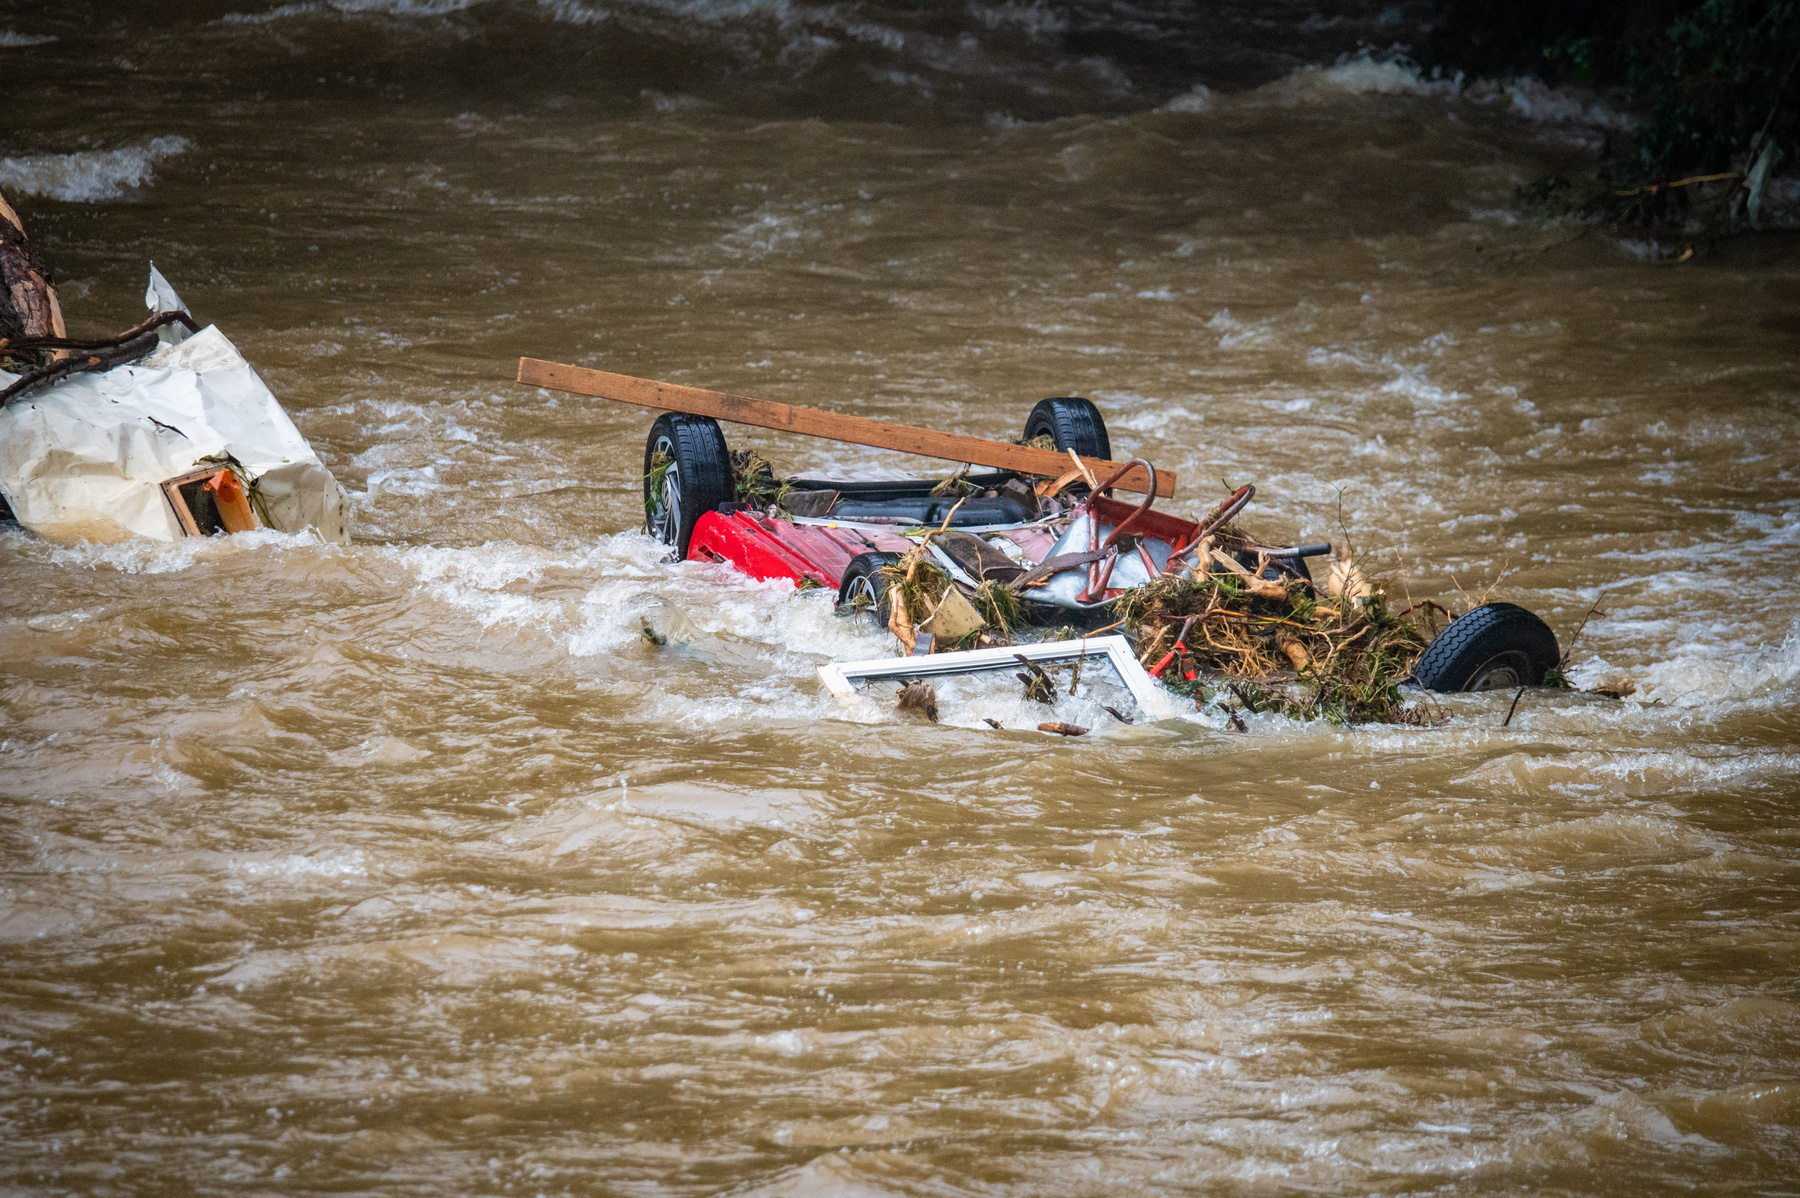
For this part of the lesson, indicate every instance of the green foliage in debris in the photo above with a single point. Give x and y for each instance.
(754, 480)
(921, 580)
(660, 465)
(1000, 607)
(956, 486)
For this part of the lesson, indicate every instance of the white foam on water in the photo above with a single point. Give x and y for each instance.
(10, 39)
(774, 229)
(1699, 675)
(1636, 772)
(1198, 98)
(89, 175)
(140, 555)
(384, 8)
(1411, 383)
(416, 480)
(1375, 73)
(1537, 101)
(334, 863)
(1365, 73)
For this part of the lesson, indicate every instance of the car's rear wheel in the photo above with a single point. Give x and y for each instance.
(863, 595)
(1497, 646)
(687, 473)
(1074, 423)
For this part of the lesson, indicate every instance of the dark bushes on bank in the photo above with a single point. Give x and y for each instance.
(1716, 80)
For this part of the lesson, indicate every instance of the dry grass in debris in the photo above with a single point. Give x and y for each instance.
(1303, 654)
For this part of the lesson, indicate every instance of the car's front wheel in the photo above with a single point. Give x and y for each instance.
(687, 473)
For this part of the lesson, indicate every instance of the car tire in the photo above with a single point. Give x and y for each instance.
(1497, 646)
(864, 594)
(696, 481)
(1075, 423)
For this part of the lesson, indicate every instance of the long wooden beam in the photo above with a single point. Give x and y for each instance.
(857, 430)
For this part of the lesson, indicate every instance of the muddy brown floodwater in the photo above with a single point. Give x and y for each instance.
(412, 867)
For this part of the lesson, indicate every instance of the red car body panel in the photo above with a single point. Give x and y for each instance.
(766, 547)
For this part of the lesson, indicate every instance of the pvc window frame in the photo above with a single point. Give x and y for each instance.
(840, 678)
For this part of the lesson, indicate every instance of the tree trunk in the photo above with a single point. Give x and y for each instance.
(28, 306)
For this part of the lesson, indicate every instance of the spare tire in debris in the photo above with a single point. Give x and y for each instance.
(687, 473)
(864, 593)
(1497, 646)
(1074, 423)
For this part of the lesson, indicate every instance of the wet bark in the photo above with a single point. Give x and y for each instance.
(28, 305)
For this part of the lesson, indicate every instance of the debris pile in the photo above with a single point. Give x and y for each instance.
(967, 571)
(1285, 647)
(163, 431)
(1234, 632)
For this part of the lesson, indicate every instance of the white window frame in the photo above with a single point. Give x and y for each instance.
(840, 677)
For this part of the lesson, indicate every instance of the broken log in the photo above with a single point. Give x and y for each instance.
(28, 305)
(857, 430)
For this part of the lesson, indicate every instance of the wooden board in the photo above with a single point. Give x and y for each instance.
(741, 409)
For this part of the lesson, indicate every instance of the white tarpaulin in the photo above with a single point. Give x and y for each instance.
(86, 457)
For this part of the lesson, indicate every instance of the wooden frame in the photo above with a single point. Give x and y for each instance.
(1116, 650)
(857, 430)
(240, 514)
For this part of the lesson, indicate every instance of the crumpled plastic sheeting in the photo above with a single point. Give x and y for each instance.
(86, 457)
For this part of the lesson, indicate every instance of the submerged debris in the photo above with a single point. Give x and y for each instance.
(162, 431)
(1218, 614)
(918, 698)
(1039, 686)
(1307, 655)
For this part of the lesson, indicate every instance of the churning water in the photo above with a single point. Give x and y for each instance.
(414, 867)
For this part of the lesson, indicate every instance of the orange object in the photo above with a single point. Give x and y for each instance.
(233, 504)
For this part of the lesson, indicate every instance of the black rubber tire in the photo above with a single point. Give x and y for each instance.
(697, 482)
(1074, 422)
(862, 581)
(1497, 646)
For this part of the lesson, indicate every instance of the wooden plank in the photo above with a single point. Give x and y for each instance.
(811, 422)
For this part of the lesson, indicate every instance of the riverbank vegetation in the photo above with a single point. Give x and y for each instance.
(1715, 80)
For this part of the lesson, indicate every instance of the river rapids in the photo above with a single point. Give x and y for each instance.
(415, 867)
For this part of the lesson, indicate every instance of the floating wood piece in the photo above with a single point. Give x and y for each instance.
(1296, 653)
(857, 430)
(1063, 729)
(900, 620)
(1266, 588)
